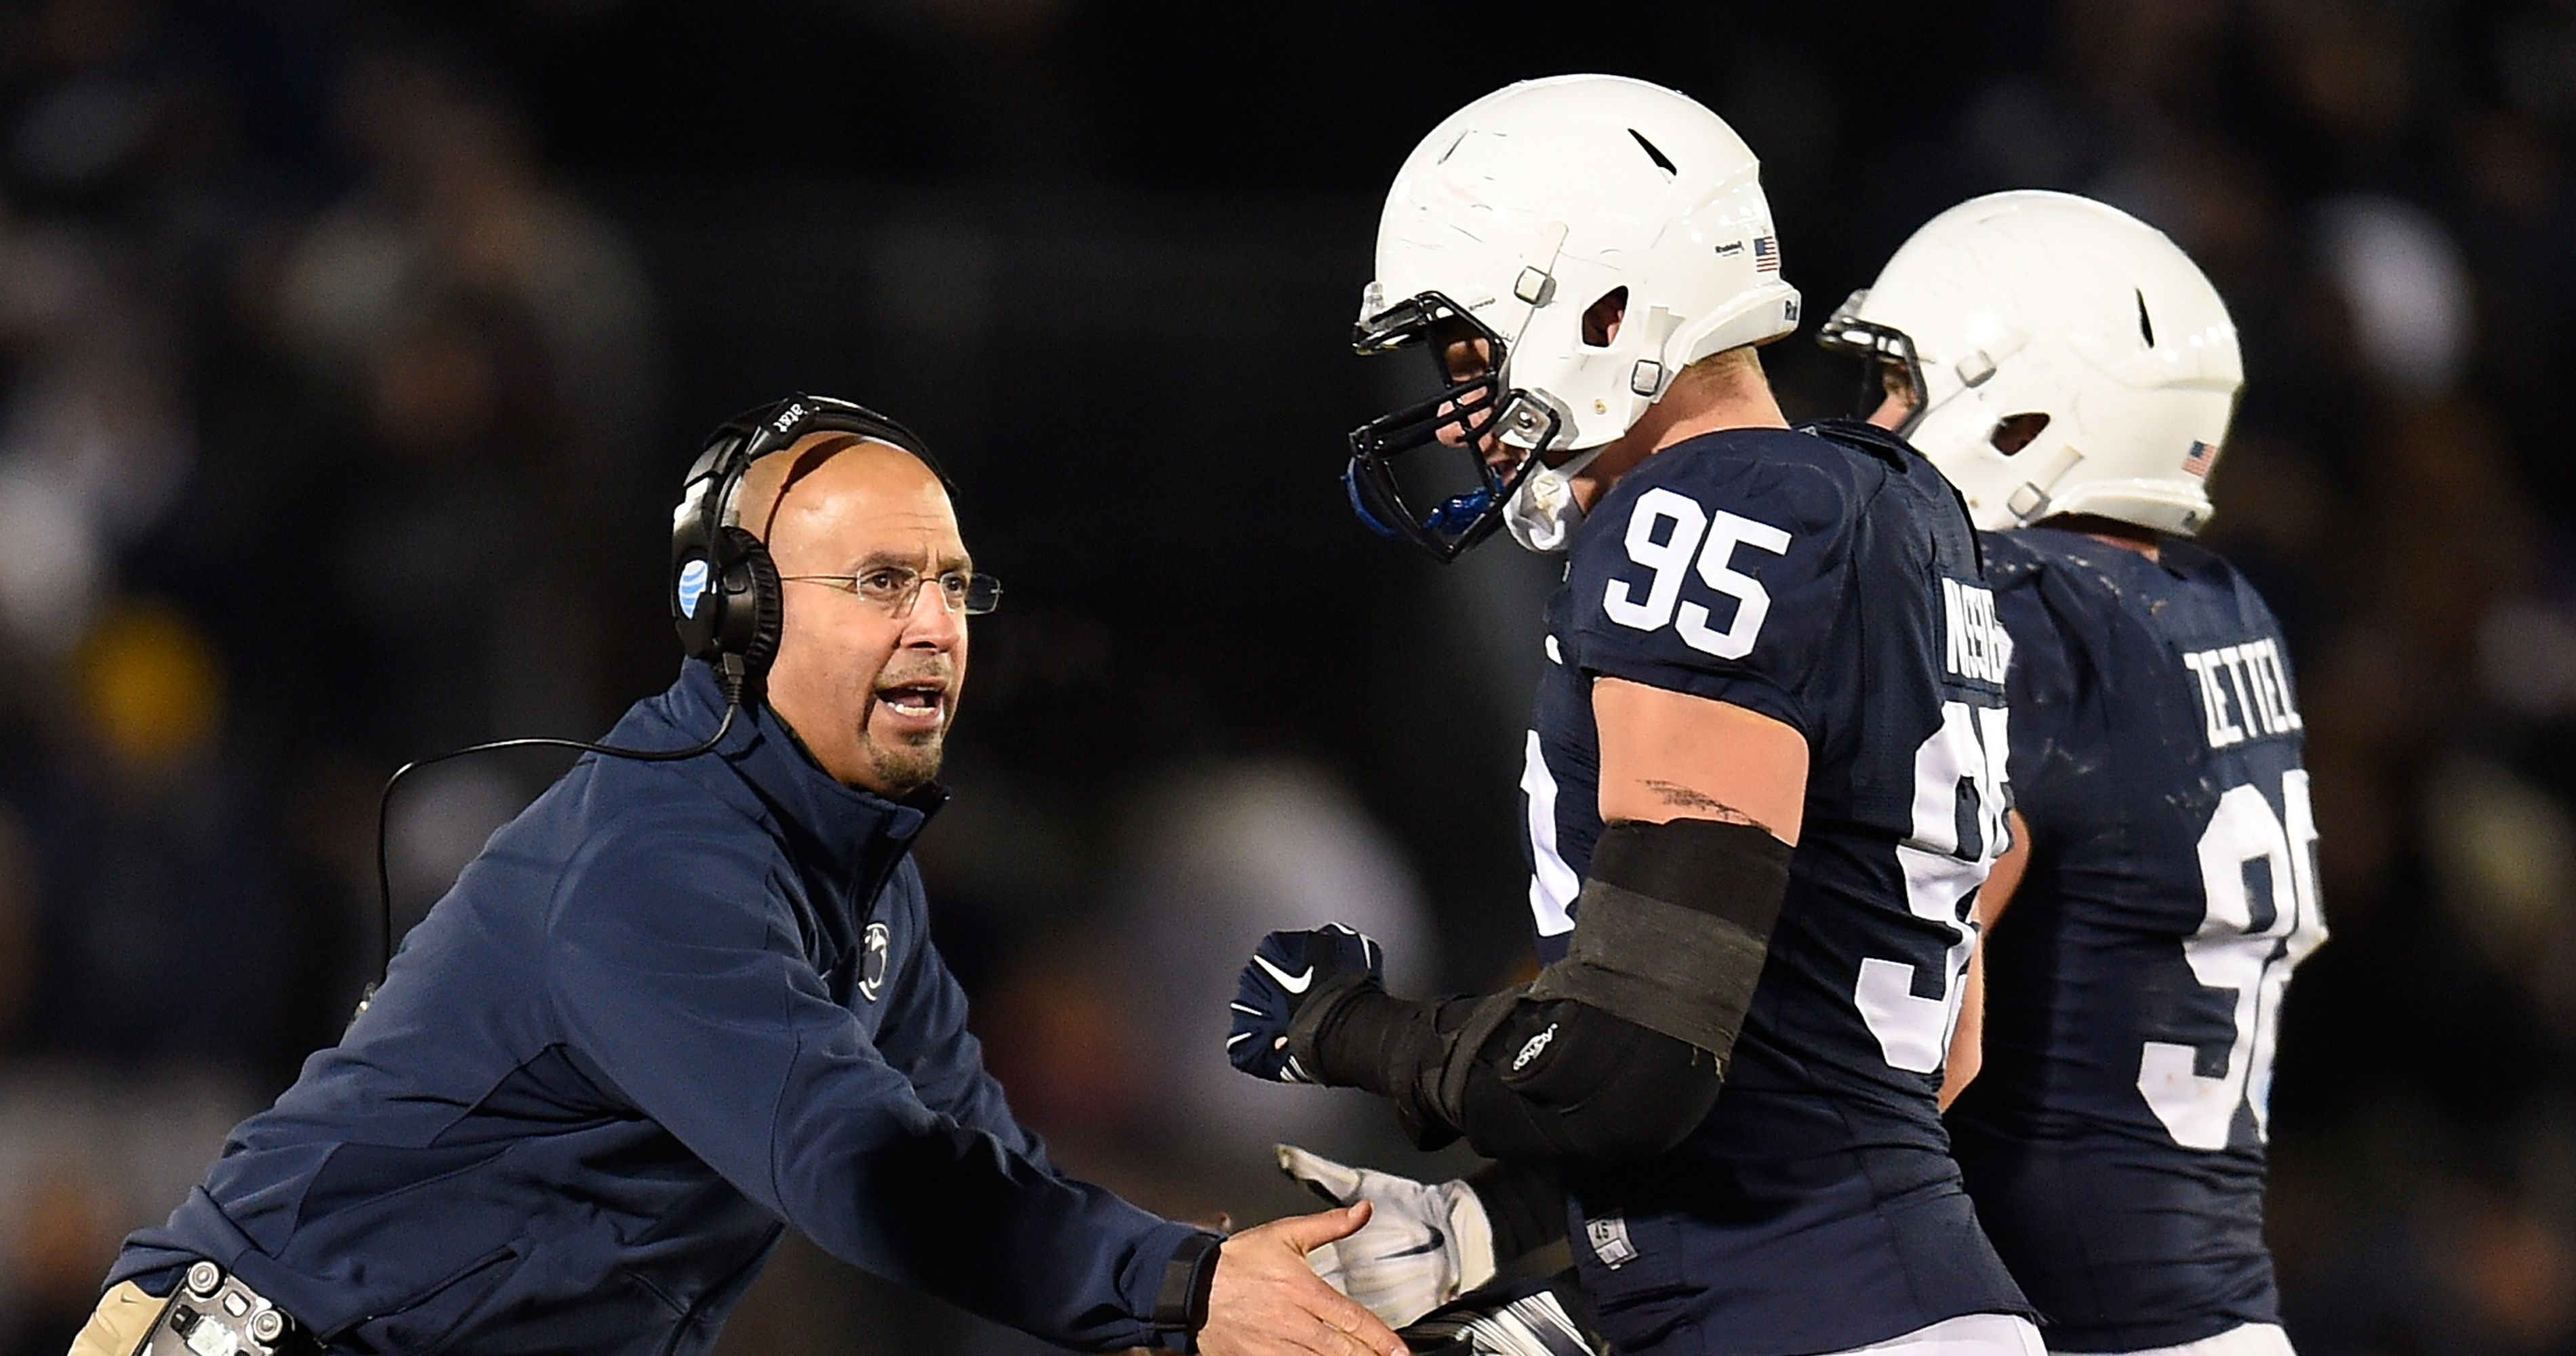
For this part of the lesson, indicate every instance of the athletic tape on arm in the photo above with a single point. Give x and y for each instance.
(1672, 928)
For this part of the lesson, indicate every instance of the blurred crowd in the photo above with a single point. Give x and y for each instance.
(307, 374)
(348, 361)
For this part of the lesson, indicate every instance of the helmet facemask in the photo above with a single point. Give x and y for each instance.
(1473, 411)
(1882, 350)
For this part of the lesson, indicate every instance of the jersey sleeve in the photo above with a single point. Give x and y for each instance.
(1722, 579)
(675, 975)
(2052, 740)
(927, 1038)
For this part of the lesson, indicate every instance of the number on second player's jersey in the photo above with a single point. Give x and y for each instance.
(1673, 536)
(1959, 805)
(2241, 952)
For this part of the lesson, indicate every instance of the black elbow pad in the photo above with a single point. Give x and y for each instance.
(1564, 1079)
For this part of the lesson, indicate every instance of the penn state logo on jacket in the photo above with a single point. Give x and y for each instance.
(878, 943)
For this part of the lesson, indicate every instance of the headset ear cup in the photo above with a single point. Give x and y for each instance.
(755, 618)
(697, 595)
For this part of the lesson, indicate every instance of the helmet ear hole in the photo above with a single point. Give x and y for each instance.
(1602, 318)
(2014, 432)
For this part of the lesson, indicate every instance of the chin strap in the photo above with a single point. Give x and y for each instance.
(1543, 514)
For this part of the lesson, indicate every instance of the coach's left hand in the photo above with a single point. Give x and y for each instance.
(1266, 1302)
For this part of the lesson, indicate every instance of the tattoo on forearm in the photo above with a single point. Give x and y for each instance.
(1706, 807)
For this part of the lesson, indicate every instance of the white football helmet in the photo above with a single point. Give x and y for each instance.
(1511, 219)
(2047, 304)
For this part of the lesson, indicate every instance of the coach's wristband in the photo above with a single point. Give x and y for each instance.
(1181, 1307)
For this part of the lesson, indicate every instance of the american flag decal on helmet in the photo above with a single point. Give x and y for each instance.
(2203, 456)
(1766, 254)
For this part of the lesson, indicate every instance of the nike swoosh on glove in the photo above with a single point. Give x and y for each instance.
(1285, 971)
(1425, 1243)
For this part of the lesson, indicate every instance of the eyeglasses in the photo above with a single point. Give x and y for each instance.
(896, 588)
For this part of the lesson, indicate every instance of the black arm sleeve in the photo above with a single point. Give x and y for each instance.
(1524, 1202)
(1615, 1052)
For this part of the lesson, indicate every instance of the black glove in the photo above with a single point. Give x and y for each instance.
(1287, 971)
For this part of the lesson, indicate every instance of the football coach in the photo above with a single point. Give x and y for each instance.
(686, 1002)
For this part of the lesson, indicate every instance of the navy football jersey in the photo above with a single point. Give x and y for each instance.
(1831, 583)
(2114, 1138)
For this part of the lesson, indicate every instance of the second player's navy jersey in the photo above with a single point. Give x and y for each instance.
(2114, 1139)
(1830, 583)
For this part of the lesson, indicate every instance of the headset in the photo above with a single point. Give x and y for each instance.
(725, 597)
(724, 592)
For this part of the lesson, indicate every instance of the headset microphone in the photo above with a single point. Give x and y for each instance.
(725, 597)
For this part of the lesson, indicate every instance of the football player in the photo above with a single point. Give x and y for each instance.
(1764, 778)
(2074, 374)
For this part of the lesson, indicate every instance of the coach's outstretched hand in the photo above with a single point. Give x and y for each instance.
(1427, 1244)
(1288, 970)
(1266, 1302)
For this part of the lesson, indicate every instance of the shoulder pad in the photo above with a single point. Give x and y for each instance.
(2009, 559)
(1773, 476)
(1870, 438)
(2191, 559)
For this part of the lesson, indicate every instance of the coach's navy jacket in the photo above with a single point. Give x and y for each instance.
(673, 1009)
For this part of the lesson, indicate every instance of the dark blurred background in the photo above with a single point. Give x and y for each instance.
(350, 354)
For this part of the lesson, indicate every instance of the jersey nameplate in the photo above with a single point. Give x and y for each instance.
(1979, 649)
(2244, 693)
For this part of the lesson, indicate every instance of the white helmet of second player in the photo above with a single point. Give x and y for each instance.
(2031, 303)
(1522, 210)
